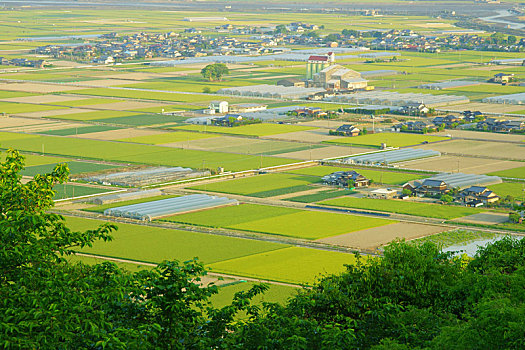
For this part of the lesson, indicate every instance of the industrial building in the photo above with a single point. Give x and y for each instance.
(337, 77)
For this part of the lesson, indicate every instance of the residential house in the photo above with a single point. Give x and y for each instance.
(219, 106)
(475, 194)
(417, 126)
(502, 78)
(346, 179)
(347, 130)
(415, 108)
(429, 187)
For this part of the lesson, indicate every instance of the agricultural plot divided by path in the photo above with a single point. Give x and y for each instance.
(262, 186)
(293, 265)
(135, 153)
(264, 129)
(152, 244)
(378, 176)
(296, 223)
(241, 257)
(390, 139)
(404, 207)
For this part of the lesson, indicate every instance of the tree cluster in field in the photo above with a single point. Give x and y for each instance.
(215, 71)
(414, 297)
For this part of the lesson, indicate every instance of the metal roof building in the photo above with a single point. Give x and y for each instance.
(388, 157)
(165, 207)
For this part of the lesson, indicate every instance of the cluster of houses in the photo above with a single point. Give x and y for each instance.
(473, 196)
(147, 45)
(23, 62)
(500, 125)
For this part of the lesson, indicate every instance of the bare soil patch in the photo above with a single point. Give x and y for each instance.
(303, 136)
(469, 165)
(489, 149)
(37, 87)
(485, 107)
(43, 99)
(11, 122)
(124, 105)
(324, 152)
(485, 218)
(107, 82)
(119, 134)
(373, 238)
(480, 135)
(54, 112)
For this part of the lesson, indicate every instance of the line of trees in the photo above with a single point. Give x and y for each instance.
(414, 297)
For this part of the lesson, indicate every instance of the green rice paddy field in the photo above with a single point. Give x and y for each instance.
(391, 139)
(518, 173)
(74, 168)
(168, 137)
(386, 177)
(404, 207)
(514, 189)
(296, 223)
(63, 191)
(268, 185)
(241, 257)
(135, 153)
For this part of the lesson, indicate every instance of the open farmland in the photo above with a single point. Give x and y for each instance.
(391, 139)
(404, 207)
(168, 137)
(69, 190)
(294, 265)
(268, 185)
(75, 167)
(153, 245)
(135, 153)
(451, 164)
(496, 150)
(263, 129)
(513, 189)
(382, 177)
(280, 221)
(518, 173)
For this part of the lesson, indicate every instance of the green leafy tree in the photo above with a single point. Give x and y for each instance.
(446, 198)
(215, 71)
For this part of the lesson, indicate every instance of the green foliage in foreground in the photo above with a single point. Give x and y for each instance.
(415, 297)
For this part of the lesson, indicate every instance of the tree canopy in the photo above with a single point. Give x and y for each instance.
(215, 71)
(413, 297)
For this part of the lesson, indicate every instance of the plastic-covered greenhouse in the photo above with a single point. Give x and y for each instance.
(126, 196)
(387, 157)
(151, 210)
(465, 180)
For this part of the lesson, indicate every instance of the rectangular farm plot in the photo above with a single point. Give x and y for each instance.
(135, 153)
(311, 224)
(16, 108)
(518, 173)
(168, 137)
(386, 177)
(268, 185)
(248, 130)
(403, 207)
(81, 130)
(391, 139)
(153, 244)
(63, 191)
(94, 115)
(514, 189)
(74, 168)
(293, 265)
(230, 216)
